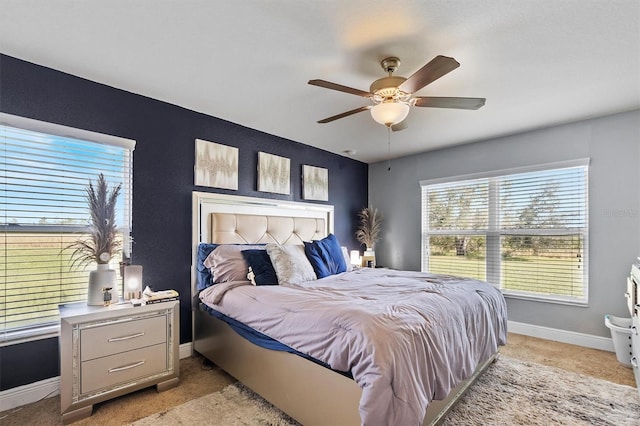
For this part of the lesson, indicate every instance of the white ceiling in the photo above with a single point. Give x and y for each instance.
(538, 62)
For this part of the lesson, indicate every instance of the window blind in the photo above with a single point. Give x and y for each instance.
(457, 219)
(43, 177)
(526, 232)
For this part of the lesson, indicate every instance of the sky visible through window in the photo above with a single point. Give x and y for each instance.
(43, 177)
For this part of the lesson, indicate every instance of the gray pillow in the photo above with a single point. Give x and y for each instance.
(290, 263)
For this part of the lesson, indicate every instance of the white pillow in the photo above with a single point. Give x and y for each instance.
(347, 258)
(290, 263)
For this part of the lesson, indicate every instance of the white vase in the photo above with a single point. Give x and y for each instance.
(101, 277)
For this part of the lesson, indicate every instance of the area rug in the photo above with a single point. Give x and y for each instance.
(511, 392)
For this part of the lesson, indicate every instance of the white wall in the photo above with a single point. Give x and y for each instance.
(612, 143)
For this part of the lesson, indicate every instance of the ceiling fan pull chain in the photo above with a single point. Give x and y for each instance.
(388, 148)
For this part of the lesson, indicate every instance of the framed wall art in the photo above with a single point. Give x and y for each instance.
(216, 165)
(315, 183)
(274, 173)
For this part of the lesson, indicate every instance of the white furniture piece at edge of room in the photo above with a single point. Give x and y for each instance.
(109, 351)
(635, 348)
(633, 293)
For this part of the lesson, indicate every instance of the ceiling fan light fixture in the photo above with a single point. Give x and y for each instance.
(390, 113)
(392, 96)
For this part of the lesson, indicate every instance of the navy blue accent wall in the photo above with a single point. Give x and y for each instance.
(29, 362)
(163, 173)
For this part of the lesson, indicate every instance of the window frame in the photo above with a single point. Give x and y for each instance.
(494, 233)
(51, 329)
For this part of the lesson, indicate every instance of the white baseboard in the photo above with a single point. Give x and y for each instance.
(563, 336)
(32, 392)
(186, 350)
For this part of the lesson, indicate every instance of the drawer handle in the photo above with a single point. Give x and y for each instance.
(118, 339)
(634, 362)
(126, 367)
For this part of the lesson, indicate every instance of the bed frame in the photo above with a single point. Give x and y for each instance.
(306, 391)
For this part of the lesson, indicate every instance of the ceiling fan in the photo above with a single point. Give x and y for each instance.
(392, 96)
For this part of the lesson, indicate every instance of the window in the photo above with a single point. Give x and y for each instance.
(44, 170)
(523, 230)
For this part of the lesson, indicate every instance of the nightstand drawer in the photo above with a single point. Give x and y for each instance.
(123, 367)
(123, 336)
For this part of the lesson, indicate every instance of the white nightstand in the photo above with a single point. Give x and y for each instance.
(110, 351)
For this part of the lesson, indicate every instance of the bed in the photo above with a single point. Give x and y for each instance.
(299, 381)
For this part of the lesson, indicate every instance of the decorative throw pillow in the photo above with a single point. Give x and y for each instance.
(290, 263)
(317, 258)
(325, 256)
(260, 266)
(227, 264)
(204, 278)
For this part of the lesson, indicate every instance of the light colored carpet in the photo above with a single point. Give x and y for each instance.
(510, 392)
(234, 405)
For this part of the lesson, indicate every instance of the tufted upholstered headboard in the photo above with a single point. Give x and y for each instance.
(233, 228)
(231, 219)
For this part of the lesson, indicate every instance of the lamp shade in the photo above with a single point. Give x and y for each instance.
(390, 113)
(132, 281)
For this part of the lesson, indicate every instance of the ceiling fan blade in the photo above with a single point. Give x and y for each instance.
(344, 114)
(436, 68)
(400, 126)
(446, 102)
(339, 88)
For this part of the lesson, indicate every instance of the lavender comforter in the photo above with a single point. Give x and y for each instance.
(407, 337)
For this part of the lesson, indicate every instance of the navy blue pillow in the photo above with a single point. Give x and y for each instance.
(204, 278)
(334, 251)
(317, 258)
(325, 256)
(260, 263)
